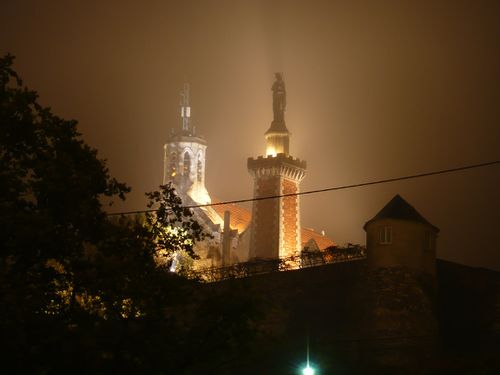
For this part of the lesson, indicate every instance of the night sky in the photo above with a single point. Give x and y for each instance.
(375, 90)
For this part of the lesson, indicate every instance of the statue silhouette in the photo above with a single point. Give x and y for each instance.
(279, 98)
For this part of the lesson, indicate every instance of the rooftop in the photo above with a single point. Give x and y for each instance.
(241, 217)
(398, 208)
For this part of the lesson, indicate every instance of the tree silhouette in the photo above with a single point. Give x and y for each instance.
(65, 267)
(83, 292)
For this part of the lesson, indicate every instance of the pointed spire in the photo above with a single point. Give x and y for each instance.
(185, 109)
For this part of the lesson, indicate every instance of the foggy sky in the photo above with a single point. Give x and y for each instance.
(375, 90)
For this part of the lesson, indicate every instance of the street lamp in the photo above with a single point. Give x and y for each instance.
(308, 370)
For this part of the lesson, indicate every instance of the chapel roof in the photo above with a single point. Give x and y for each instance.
(240, 217)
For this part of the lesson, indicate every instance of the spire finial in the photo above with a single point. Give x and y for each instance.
(185, 108)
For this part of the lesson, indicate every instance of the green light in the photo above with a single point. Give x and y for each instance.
(308, 370)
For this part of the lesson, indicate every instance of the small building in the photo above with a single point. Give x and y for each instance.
(399, 236)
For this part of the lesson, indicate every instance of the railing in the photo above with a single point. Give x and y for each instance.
(262, 266)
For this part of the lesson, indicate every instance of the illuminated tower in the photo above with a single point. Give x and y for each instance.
(276, 222)
(184, 157)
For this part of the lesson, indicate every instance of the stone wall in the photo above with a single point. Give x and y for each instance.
(291, 229)
(265, 223)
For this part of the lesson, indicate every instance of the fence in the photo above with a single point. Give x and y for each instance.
(262, 266)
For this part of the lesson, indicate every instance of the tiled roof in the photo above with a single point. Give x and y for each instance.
(241, 217)
(398, 208)
(322, 241)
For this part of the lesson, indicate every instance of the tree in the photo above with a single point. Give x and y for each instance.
(62, 262)
(80, 292)
(139, 252)
(51, 184)
(173, 227)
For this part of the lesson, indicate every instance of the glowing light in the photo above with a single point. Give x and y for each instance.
(175, 261)
(199, 194)
(271, 151)
(308, 370)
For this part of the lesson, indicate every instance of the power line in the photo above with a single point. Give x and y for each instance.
(342, 187)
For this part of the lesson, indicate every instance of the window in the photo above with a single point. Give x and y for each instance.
(187, 164)
(199, 169)
(173, 164)
(385, 235)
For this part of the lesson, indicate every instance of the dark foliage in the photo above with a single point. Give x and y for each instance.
(80, 293)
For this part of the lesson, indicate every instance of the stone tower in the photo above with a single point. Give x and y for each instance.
(276, 222)
(399, 236)
(184, 157)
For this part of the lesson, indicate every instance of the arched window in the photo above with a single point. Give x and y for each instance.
(199, 171)
(173, 164)
(187, 164)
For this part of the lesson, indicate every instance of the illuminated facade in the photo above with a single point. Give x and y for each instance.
(184, 157)
(276, 230)
(184, 165)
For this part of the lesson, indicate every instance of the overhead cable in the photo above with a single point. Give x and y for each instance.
(342, 187)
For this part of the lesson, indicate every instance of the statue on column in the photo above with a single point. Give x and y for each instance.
(279, 98)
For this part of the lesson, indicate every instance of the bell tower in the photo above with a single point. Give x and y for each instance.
(184, 157)
(276, 221)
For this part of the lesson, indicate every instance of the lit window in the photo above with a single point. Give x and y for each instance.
(173, 164)
(385, 235)
(187, 164)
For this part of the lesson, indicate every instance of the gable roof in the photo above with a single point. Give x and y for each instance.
(398, 208)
